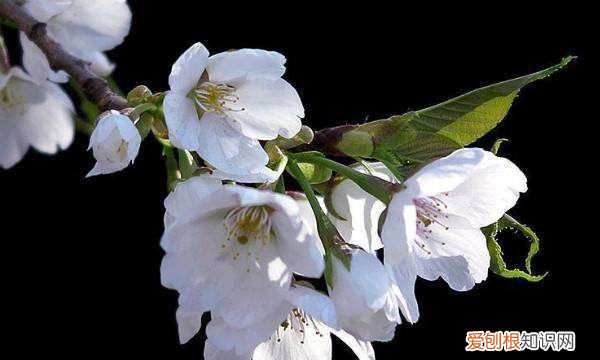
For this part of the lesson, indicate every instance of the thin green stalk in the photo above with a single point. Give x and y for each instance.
(375, 186)
(280, 185)
(334, 244)
(173, 174)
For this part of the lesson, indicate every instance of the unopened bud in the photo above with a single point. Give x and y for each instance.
(138, 95)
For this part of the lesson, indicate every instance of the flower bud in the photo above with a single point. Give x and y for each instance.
(115, 143)
(138, 95)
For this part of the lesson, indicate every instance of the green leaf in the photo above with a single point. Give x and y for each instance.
(497, 144)
(420, 136)
(144, 124)
(187, 165)
(315, 174)
(497, 264)
(329, 268)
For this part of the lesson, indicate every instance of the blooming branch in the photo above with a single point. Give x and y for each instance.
(93, 86)
(230, 126)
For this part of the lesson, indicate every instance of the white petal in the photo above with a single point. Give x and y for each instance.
(361, 212)
(268, 108)
(315, 304)
(361, 292)
(405, 277)
(459, 255)
(182, 121)
(188, 324)
(12, 147)
(261, 175)
(231, 66)
(446, 173)
(91, 25)
(37, 65)
(400, 225)
(43, 10)
(243, 340)
(399, 230)
(188, 69)
(488, 193)
(298, 244)
(101, 65)
(101, 168)
(200, 231)
(362, 349)
(211, 352)
(188, 195)
(253, 288)
(47, 120)
(290, 344)
(226, 149)
(374, 327)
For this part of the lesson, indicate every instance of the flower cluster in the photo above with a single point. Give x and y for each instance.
(279, 271)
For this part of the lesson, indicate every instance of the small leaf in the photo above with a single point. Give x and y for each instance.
(497, 144)
(497, 263)
(329, 268)
(315, 174)
(508, 222)
(144, 124)
(187, 165)
(436, 131)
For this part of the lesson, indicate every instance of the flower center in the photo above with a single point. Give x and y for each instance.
(430, 213)
(11, 97)
(248, 232)
(215, 97)
(299, 322)
(122, 150)
(7, 98)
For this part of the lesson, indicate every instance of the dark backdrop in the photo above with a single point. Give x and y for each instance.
(81, 256)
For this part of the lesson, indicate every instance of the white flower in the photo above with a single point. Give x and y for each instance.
(32, 114)
(299, 329)
(232, 249)
(84, 28)
(115, 143)
(222, 105)
(365, 297)
(357, 212)
(432, 227)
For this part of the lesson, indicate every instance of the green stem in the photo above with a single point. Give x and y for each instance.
(375, 186)
(171, 166)
(326, 229)
(280, 185)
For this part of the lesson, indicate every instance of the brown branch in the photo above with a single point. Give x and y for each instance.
(94, 87)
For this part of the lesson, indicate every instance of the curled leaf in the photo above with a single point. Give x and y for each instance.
(497, 264)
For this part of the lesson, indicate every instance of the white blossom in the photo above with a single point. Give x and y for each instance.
(432, 227)
(33, 114)
(299, 329)
(115, 143)
(222, 105)
(232, 250)
(84, 28)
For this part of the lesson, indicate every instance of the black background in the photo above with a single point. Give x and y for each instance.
(81, 256)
